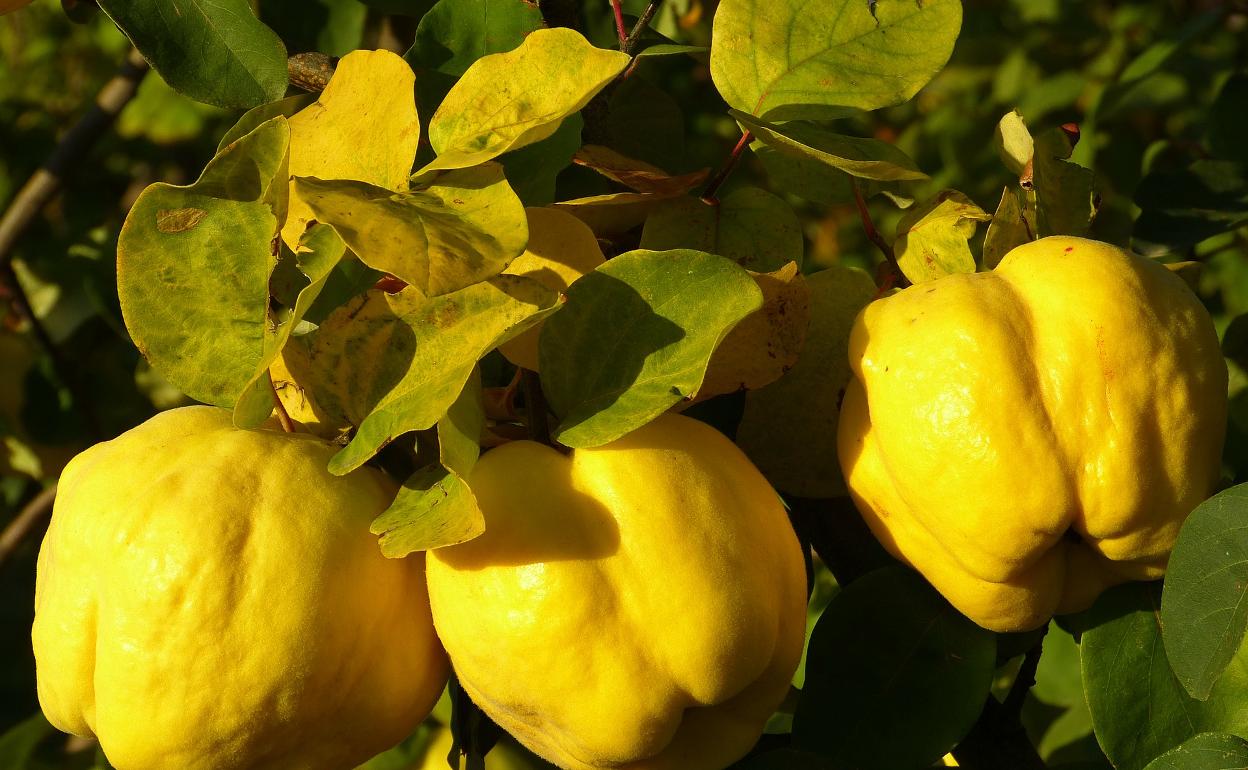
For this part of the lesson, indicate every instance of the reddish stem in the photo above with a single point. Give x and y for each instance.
(619, 22)
(874, 236)
(712, 187)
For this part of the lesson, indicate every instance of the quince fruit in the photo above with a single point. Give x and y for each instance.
(1029, 436)
(640, 605)
(209, 597)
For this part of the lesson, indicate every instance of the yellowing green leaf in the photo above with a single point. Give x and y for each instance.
(789, 427)
(635, 337)
(395, 363)
(1007, 228)
(614, 213)
(193, 266)
(865, 158)
(932, 237)
(1014, 143)
(790, 59)
(1065, 202)
(752, 227)
(363, 127)
(461, 227)
(506, 101)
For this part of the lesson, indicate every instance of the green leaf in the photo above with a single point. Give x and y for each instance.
(506, 101)
(932, 237)
(801, 459)
(635, 337)
(1185, 206)
(865, 158)
(1007, 229)
(193, 267)
(396, 363)
(814, 182)
(455, 33)
(1064, 194)
(791, 59)
(1154, 58)
(363, 127)
(215, 51)
(1139, 708)
(252, 119)
(320, 250)
(645, 122)
(1203, 611)
(671, 49)
(752, 227)
(532, 171)
(19, 745)
(433, 508)
(1227, 115)
(332, 27)
(1207, 751)
(1014, 143)
(462, 227)
(895, 676)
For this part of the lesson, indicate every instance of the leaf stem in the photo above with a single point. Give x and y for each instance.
(620, 31)
(535, 408)
(629, 44)
(712, 187)
(1026, 679)
(283, 417)
(873, 235)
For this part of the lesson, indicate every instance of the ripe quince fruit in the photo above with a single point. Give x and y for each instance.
(209, 597)
(1029, 436)
(640, 605)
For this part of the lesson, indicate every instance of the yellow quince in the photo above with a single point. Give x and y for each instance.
(640, 605)
(209, 597)
(1029, 436)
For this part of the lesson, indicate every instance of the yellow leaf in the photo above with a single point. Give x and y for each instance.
(506, 101)
(363, 127)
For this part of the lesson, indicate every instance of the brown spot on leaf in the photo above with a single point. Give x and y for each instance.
(179, 220)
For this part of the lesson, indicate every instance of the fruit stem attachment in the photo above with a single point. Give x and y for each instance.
(873, 235)
(535, 408)
(283, 417)
(712, 187)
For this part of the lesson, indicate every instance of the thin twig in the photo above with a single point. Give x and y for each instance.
(629, 44)
(620, 31)
(283, 417)
(44, 184)
(26, 522)
(712, 187)
(874, 236)
(1025, 680)
(535, 408)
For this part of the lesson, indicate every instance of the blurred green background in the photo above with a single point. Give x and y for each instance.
(1154, 87)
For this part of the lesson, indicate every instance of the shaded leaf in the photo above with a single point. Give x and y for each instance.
(1007, 229)
(455, 33)
(895, 676)
(614, 213)
(1064, 194)
(790, 59)
(215, 51)
(932, 238)
(1207, 751)
(645, 122)
(459, 430)
(506, 101)
(531, 171)
(462, 227)
(1203, 612)
(639, 175)
(1184, 207)
(864, 158)
(768, 342)
(814, 182)
(752, 227)
(1153, 59)
(362, 127)
(195, 296)
(1139, 708)
(320, 250)
(395, 363)
(635, 337)
(1226, 118)
(801, 459)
